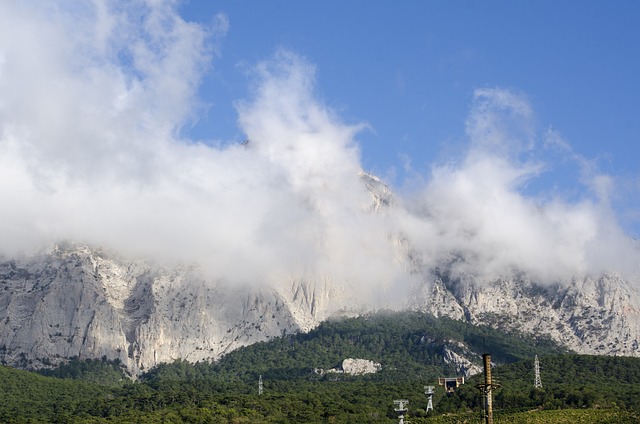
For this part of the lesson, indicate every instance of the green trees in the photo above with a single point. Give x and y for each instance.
(102, 371)
(409, 346)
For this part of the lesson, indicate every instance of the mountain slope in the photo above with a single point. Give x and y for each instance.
(75, 301)
(79, 302)
(594, 315)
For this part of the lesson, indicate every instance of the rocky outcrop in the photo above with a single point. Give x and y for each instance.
(381, 196)
(352, 366)
(463, 361)
(360, 366)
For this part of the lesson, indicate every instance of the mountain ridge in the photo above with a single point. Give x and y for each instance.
(79, 302)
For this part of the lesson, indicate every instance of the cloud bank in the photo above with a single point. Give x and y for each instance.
(474, 211)
(93, 98)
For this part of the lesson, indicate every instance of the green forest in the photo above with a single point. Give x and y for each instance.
(410, 346)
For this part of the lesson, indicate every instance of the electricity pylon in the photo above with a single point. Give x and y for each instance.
(538, 382)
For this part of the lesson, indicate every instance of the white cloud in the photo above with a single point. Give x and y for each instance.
(91, 105)
(91, 153)
(478, 209)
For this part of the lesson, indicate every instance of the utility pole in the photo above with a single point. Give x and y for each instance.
(487, 388)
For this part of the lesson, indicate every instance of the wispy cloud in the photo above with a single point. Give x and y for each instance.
(478, 212)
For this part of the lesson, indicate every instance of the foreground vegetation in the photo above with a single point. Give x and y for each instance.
(410, 346)
(537, 416)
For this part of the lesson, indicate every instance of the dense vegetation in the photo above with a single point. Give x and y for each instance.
(410, 346)
(406, 343)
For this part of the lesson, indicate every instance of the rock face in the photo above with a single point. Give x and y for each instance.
(74, 301)
(464, 365)
(592, 315)
(360, 366)
(78, 302)
(352, 366)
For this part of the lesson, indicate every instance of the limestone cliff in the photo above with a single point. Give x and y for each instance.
(74, 301)
(591, 315)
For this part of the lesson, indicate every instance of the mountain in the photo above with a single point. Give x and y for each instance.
(80, 301)
(591, 315)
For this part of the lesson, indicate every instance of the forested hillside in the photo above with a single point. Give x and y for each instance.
(406, 344)
(576, 388)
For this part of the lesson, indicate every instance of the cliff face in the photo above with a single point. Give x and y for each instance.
(592, 315)
(79, 302)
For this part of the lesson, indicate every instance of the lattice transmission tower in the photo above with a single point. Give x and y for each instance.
(538, 382)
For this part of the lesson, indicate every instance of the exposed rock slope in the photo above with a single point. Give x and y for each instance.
(77, 302)
(592, 315)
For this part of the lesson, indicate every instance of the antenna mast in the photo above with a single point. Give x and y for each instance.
(538, 382)
(260, 385)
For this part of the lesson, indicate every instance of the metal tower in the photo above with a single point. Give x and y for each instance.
(538, 382)
(401, 409)
(260, 385)
(428, 390)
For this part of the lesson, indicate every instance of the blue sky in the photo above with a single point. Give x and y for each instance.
(410, 68)
(507, 131)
